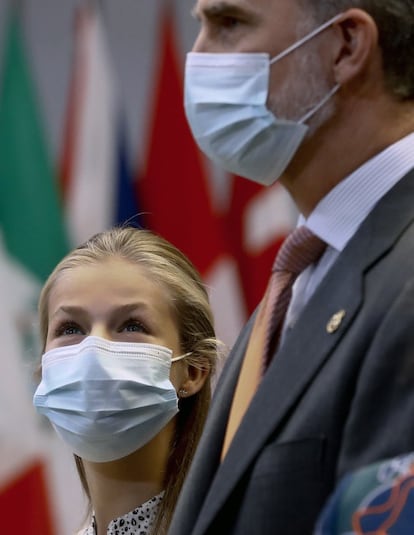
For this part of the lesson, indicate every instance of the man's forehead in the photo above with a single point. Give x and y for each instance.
(216, 7)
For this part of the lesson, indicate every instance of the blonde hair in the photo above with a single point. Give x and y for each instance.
(165, 264)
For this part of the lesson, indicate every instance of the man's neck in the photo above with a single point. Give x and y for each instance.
(342, 146)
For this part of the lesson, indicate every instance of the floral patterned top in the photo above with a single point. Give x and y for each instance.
(136, 522)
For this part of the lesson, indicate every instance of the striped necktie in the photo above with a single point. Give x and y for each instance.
(300, 249)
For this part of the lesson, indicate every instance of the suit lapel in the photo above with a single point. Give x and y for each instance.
(294, 366)
(288, 375)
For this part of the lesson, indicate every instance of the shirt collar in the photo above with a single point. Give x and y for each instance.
(338, 215)
(140, 520)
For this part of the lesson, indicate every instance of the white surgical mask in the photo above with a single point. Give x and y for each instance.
(225, 104)
(107, 399)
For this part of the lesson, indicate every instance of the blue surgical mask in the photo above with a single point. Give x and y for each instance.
(107, 399)
(225, 104)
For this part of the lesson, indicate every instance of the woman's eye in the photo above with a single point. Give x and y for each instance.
(68, 329)
(134, 326)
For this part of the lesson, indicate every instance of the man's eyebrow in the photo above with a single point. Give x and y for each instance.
(218, 9)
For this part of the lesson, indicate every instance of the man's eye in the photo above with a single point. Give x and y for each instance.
(229, 22)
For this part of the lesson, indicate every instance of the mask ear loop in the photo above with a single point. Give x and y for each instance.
(325, 99)
(299, 43)
(182, 392)
(305, 39)
(175, 359)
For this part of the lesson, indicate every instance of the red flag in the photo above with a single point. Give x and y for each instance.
(174, 188)
(23, 504)
(257, 221)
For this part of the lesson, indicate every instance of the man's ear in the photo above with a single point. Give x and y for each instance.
(356, 43)
(194, 380)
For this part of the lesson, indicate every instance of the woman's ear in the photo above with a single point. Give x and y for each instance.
(194, 380)
(356, 43)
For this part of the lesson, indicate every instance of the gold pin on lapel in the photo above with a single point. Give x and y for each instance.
(335, 321)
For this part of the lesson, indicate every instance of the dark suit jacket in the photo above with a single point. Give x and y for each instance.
(329, 402)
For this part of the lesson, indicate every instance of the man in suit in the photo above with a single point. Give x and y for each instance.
(331, 116)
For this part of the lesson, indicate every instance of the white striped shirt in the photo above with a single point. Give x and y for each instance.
(339, 214)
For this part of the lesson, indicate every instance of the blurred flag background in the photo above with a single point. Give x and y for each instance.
(93, 133)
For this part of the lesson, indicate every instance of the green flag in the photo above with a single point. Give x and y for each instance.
(31, 217)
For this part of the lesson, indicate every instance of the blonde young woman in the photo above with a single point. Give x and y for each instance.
(129, 349)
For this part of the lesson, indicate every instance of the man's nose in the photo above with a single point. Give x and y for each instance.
(198, 45)
(204, 42)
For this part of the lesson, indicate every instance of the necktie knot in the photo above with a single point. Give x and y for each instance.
(300, 249)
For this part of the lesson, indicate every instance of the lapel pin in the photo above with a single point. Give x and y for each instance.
(335, 321)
